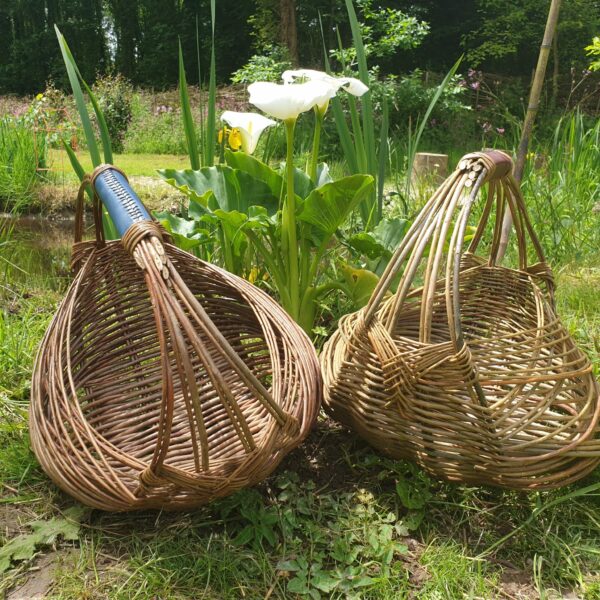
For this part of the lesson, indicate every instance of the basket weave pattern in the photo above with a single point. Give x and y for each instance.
(467, 369)
(149, 392)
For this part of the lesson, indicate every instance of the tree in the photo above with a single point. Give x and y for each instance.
(289, 32)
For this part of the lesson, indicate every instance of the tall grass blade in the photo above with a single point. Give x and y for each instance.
(186, 115)
(102, 126)
(200, 95)
(366, 99)
(110, 232)
(72, 72)
(384, 151)
(338, 115)
(414, 142)
(209, 151)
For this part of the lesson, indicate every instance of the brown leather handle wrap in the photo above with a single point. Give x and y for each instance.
(498, 164)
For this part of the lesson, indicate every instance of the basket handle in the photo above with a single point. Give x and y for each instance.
(433, 227)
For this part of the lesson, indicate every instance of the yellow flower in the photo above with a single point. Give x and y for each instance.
(222, 132)
(39, 96)
(235, 139)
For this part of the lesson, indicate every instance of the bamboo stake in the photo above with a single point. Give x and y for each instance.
(532, 109)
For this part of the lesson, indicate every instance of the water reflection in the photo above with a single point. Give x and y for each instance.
(36, 251)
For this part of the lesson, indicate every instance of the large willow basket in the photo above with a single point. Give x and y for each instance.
(164, 381)
(466, 369)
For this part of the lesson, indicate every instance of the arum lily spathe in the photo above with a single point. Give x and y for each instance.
(250, 126)
(350, 84)
(287, 102)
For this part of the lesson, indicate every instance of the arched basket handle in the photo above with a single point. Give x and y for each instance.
(442, 225)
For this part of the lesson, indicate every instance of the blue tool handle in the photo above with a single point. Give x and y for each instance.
(122, 203)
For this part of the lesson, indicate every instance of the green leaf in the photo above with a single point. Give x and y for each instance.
(210, 130)
(72, 73)
(412, 497)
(102, 126)
(389, 233)
(324, 582)
(110, 232)
(244, 536)
(298, 585)
(186, 233)
(288, 565)
(256, 168)
(231, 189)
(23, 547)
(362, 582)
(360, 283)
(327, 207)
(414, 141)
(186, 115)
(303, 184)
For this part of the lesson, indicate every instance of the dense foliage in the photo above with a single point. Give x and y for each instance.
(138, 38)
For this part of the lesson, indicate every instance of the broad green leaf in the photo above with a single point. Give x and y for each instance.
(366, 244)
(412, 497)
(382, 241)
(303, 184)
(288, 565)
(360, 283)
(298, 584)
(23, 547)
(186, 233)
(327, 207)
(256, 168)
(231, 189)
(186, 115)
(324, 582)
(389, 233)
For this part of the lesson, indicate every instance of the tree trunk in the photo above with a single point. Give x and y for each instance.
(288, 31)
(532, 109)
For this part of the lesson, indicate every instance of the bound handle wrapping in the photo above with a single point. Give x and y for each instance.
(442, 225)
(123, 204)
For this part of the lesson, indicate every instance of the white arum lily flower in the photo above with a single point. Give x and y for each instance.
(250, 125)
(352, 85)
(286, 102)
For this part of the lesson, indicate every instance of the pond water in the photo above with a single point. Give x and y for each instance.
(38, 251)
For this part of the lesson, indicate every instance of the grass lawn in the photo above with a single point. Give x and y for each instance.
(336, 520)
(134, 165)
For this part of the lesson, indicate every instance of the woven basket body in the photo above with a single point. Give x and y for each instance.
(165, 382)
(466, 368)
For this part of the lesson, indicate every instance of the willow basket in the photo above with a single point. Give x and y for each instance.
(164, 381)
(466, 369)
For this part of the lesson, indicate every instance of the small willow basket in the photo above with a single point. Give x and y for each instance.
(163, 381)
(466, 369)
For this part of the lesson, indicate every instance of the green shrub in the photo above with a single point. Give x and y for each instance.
(114, 94)
(266, 66)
